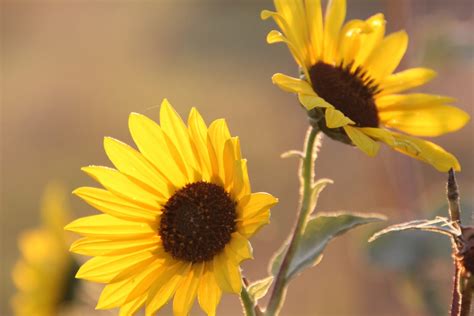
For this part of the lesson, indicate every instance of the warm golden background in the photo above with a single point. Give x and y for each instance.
(72, 71)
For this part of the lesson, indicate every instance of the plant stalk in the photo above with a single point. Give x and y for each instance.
(466, 295)
(456, 297)
(248, 304)
(279, 289)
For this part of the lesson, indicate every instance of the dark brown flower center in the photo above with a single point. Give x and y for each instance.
(197, 222)
(351, 92)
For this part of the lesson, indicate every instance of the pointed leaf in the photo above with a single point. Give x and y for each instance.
(440, 225)
(259, 288)
(320, 230)
(292, 153)
(316, 189)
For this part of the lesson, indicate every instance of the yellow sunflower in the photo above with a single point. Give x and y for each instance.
(348, 86)
(178, 214)
(44, 275)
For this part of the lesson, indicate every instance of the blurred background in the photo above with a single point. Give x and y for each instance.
(72, 71)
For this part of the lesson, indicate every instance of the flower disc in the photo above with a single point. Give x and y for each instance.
(352, 93)
(197, 222)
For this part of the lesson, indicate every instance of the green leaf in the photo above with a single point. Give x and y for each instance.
(319, 231)
(316, 189)
(259, 288)
(292, 153)
(440, 225)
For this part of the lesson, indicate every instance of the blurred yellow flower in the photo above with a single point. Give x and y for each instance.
(178, 214)
(347, 76)
(43, 274)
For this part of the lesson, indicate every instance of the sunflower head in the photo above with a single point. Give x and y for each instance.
(43, 274)
(177, 216)
(348, 84)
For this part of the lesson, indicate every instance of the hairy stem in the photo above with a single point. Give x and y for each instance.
(466, 295)
(279, 289)
(456, 297)
(247, 302)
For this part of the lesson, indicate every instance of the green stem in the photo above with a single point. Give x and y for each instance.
(249, 305)
(278, 293)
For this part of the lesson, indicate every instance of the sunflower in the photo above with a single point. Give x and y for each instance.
(44, 275)
(348, 83)
(178, 214)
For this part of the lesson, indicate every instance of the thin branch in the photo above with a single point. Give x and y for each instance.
(456, 300)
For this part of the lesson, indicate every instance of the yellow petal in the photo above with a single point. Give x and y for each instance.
(237, 151)
(209, 292)
(151, 142)
(131, 163)
(111, 228)
(113, 294)
(249, 226)
(214, 176)
(334, 17)
(55, 212)
(198, 132)
(142, 282)
(402, 102)
(246, 189)
(99, 247)
(350, 40)
(255, 204)
(159, 257)
(281, 22)
(370, 40)
(430, 121)
(187, 291)
(229, 162)
(426, 151)
(292, 37)
(239, 248)
(406, 80)
(111, 204)
(174, 127)
(335, 118)
(313, 101)
(294, 14)
(22, 275)
(290, 84)
(218, 134)
(130, 308)
(266, 14)
(362, 141)
(276, 37)
(314, 20)
(386, 57)
(379, 134)
(165, 287)
(227, 274)
(38, 246)
(122, 186)
(105, 269)
(241, 185)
